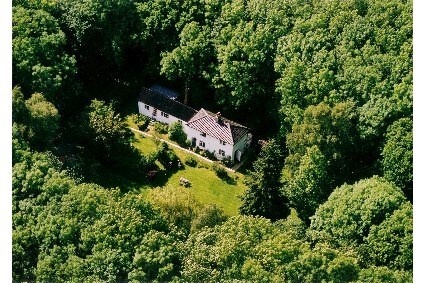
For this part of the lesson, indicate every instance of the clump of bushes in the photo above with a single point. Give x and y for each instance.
(160, 128)
(141, 121)
(227, 161)
(167, 157)
(191, 161)
(219, 170)
(208, 154)
(177, 134)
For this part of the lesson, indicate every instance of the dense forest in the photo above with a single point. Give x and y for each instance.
(327, 84)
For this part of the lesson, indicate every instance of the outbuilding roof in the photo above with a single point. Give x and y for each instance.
(217, 126)
(162, 103)
(171, 94)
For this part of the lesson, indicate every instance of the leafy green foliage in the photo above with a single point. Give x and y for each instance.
(167, 157)
(19, 110)
(253, 249)
(108, 139)
(348, 50)
(180, 208)
(346, 218)
(191, 161)
(157, 258)
(64, 232)
(104, 125)
(190, 58)
(219, 170)
(141, 121)
(158, 18)
(175, 130)
(335, 76)
(20, 147)
(397, 162)
(40, 61)
(43, 121)
(101, 31)
(264, 197)
(36, 119)
(209, 215)
(321, 148)
(384, 274)
(307, 186)
(160, 128)
(391, 242)
(36, 182)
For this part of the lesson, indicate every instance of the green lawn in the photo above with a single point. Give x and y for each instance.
(146, 145)
(205, 185)
(208, 188)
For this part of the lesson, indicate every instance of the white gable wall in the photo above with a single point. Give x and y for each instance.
(211, 143)
(241, 145)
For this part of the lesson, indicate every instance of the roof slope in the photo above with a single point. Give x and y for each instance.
(222, 129)
(165, 91)
(165, 104)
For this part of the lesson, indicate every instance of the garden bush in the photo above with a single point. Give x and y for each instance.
(177, 134)
(141, 121)
(219, 170)
(167, 157)
(160, 128)
(191, 161)
(227, 161)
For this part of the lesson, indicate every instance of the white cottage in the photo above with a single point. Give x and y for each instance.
(206, 130)
(218, 135)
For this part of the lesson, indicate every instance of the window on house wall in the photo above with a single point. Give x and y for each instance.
(146, 107)
(163, 114)
(203, 134)
(222, 142)
(221, 152)
(201, 143)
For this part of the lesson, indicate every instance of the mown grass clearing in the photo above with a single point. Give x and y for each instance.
(205, 185)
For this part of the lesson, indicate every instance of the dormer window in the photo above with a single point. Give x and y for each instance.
(146, 107)
(203, 134)
(222, 142)
(201, 143)
(163, 114)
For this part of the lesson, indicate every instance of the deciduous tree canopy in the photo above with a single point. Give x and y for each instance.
(326, 86)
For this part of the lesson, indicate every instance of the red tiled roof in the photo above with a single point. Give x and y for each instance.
(222, 129)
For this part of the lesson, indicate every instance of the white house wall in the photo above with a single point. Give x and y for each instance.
(142, 110)
(211, 144)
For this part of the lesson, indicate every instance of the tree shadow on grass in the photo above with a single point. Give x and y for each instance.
(160, 178)
(229, 180)
(226, 178)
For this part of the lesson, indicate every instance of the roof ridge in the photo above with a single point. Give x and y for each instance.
(202, 109)
(228, 121)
